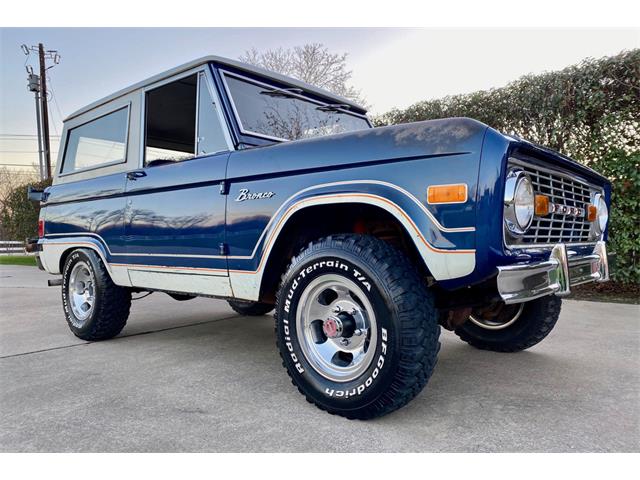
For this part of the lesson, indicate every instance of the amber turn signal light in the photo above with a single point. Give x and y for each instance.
(542, 205)
(592, 213)
(447, 193)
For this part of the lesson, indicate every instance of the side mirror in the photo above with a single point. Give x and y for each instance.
(34, 194)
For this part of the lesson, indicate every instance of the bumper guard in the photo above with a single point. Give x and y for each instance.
(524, 282)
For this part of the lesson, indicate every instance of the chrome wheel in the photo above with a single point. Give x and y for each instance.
(82, 293)
(336, 328)
(497, 317)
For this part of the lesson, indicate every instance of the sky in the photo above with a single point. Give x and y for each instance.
(393, 67)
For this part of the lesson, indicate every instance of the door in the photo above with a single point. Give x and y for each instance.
(175, 212)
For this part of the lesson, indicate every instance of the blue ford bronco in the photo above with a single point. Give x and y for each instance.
(223, 180)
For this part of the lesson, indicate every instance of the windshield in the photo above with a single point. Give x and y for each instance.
(285, 115)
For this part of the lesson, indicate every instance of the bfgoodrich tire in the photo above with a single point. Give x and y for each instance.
(95, 308)
(252, 309)
(356, 327)
(513, 328)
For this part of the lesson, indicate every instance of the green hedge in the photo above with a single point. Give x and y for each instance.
(589, 111)
(18, 215)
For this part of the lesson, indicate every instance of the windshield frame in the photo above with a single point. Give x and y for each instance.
(305, 96)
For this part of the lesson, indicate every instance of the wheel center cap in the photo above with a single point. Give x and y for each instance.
(332, 327)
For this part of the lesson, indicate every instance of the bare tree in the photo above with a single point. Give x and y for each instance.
(312, 63)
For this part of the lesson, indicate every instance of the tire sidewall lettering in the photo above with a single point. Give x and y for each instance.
(71, 261)
(371, 382)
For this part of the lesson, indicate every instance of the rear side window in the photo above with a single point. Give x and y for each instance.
(97, 143)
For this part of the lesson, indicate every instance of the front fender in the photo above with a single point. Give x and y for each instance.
(447, 252)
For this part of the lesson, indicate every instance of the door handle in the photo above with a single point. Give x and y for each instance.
(136, 174)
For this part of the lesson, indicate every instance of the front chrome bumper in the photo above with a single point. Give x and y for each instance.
(524, 282)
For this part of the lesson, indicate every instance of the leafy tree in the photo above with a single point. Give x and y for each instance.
(18, 215)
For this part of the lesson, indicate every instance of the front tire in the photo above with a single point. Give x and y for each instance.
(95, 308)
(511, 328)
(356, 327)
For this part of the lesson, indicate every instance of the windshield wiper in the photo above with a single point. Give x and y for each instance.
(334, 107)
(282, 92)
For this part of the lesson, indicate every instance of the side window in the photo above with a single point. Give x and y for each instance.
(100, 142)
(174, 113)
(170, 123)
(210, 134)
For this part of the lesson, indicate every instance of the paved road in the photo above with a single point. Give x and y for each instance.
(192, 376)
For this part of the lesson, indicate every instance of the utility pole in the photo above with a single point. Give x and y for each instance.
(45, 110)
(38, 85)
(34, 86)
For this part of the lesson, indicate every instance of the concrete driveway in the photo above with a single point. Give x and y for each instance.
(193, 376)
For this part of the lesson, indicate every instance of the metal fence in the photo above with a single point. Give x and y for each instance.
(11, 247)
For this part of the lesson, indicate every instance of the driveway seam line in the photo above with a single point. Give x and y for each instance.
(123, 336)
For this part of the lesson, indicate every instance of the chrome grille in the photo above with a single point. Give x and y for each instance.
(561, 189)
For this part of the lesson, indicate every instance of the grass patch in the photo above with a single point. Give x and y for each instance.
(18, 260)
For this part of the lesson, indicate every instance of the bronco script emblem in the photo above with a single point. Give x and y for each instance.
(245, 194)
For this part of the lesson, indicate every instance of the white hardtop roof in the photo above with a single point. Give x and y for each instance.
(222, 61)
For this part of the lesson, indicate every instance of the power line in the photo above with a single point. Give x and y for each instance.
(20, 135)
(19, 151)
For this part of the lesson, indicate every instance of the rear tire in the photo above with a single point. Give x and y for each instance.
(527, 325)
(356, 326)
(95, 308)
(251, 309)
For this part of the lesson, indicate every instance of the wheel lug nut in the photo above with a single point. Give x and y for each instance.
(337, 309)
(358, 332)
(344, 341)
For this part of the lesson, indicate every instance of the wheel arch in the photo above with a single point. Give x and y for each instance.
(55, 252)
(312, 221)
(82, 246)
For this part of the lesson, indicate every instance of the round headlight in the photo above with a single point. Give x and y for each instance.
(603, 214)
(519, 202)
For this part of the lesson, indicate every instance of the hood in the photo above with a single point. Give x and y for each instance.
(432, 138)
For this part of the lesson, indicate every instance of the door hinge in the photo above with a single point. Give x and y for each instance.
(223, 249)
(224, 188)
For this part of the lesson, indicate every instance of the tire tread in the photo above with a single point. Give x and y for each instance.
(419, 330)
(114, 305)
